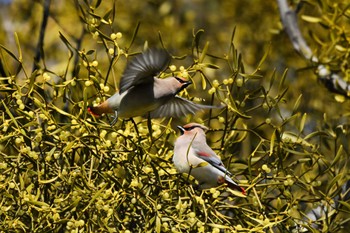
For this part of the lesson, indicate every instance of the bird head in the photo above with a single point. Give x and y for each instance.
(192, 128)
(182, 83)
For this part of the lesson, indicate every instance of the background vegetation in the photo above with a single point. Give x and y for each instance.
(283, 134)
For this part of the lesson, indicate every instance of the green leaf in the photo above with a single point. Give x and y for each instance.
(282, 79)
(296, 104)
(31, 82)
(61, 111)
(272, 79)
(158, 224)
(134, 35)
(18, 48)
(90, 52)
(10, 53)
(98, 3)
(204, 82)
(315, 134)
(272, 142)
(333, 182)
(311, 19)
(235, 110)
(347, 205)
(211, 66)
(204, 52)
(302, 122)
(262, 60)
(48, 181)
(10, 114)
(196, 40)
(339, 154)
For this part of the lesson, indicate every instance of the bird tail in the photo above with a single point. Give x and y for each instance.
(100, 109)
(92, 111)
(234, 186)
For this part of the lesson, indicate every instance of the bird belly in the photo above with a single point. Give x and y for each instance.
(207, 176)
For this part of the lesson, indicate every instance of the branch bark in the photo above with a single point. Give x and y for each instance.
(331, 80)
(39, 49)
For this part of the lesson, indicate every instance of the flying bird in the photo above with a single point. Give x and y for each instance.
(193, 156)
(142, 93)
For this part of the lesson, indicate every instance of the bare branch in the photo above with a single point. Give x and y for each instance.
(39, 49)
(289, 21)
(331, 80)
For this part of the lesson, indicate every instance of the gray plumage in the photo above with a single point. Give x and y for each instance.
(142, 93)
(192, 155)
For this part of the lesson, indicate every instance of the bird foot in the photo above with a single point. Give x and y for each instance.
(115, 118)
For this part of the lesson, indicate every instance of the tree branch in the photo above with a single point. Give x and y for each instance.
(39, 49)
(331, 80)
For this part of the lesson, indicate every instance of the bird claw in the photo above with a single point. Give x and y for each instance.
(115, 118)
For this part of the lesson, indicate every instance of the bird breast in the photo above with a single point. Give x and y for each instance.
(184, 155)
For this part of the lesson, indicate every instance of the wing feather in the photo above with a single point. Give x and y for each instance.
(178, 107)
(143, 67)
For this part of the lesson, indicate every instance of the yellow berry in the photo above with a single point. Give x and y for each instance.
(239, 81)
(211, 90)
(113, 36)
(192, 214)
(46, 77)
(184, 74)
(216, 83)
(264, 167)
(12, 185)
(106, 88)
(18, 140)
(119, 35)
(88, 83)
(94, 63)
(172, 68)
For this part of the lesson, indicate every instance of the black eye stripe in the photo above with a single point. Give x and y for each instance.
(190, 128)
(180, 80)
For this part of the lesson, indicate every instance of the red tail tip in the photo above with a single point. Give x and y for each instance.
(243, 191)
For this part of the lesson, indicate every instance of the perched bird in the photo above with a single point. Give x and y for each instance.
(192, 155)
(141, 93)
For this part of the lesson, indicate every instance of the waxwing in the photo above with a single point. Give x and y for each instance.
(193, 156)
(142, 93)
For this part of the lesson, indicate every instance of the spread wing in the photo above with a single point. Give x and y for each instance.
(143, 68)
(178, 107)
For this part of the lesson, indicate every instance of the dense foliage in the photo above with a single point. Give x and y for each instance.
(63, 170)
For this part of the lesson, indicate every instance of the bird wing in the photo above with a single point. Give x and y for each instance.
(178, 107)
(208, 155)
(143, 68)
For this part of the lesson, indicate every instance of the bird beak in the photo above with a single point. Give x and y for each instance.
(182, 130)
(186, 84)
